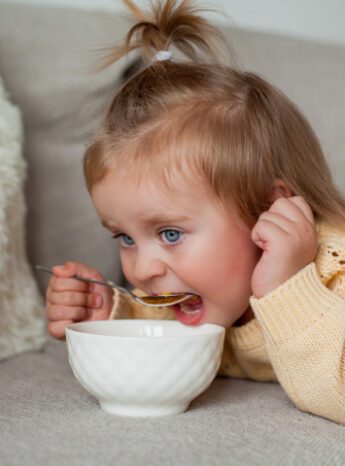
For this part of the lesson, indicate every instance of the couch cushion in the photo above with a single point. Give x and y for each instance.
(47, 418)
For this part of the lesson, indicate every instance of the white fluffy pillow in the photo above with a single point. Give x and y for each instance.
(22, 324)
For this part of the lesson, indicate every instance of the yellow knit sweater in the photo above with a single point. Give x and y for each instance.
(297, 336)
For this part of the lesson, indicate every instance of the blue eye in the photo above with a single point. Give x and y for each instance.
(171, 236)
(125, 239)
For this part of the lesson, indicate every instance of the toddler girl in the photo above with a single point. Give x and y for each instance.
(214, 183)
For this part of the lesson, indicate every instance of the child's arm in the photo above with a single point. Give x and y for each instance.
(303, 317)
(303, 324)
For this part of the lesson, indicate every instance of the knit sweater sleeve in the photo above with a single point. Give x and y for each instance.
(303, 324)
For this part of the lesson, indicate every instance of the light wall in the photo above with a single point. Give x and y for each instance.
(317, 20)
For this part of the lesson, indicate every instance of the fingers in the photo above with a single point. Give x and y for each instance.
(60, 313)
(64, 271)
(305, 208)
(265, 232)
(288, 220)
(67, 284)
(73, 298)
(98, 314)
(277, 219)
(69, 300)
(294, 208)
(69, 269)
(57, 329)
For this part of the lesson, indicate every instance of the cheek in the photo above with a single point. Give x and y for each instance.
(216, 269)
(127, 264)
(239, 262)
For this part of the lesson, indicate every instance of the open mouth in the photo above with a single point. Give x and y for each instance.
(191, 311)
(192, 305)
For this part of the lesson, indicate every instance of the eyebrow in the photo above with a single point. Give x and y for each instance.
(151, 220)
(106, 224)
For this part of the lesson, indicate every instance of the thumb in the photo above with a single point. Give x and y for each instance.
(66, 270)
(70, 269)
(257, 238)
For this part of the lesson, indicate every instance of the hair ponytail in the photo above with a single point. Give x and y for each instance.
(170, 24)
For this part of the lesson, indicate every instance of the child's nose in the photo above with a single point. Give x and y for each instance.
(148, 267)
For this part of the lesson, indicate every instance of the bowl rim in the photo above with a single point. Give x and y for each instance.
(217, 330)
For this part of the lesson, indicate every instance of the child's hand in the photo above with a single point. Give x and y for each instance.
(287, 235)
(70, 300)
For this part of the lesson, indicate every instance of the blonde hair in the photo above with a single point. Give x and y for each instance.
(232, 128)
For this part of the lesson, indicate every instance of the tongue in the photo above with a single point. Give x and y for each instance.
(194, 301)
(192, 305)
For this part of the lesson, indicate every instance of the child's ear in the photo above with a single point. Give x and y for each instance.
(280, 189)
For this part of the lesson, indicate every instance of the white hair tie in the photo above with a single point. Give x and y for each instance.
(162, 55)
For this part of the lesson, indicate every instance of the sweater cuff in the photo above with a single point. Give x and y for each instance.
(247, 337)
(296, 305)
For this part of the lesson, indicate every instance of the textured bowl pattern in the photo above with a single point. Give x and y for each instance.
(145, 376)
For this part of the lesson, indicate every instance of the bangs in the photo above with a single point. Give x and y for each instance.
(166, 151)
(207, 143)
(189, 144)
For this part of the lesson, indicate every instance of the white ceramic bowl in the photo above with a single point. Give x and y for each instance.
(144, 367)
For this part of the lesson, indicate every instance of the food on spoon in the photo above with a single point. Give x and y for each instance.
(166, 298)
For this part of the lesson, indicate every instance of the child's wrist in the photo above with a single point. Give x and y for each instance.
(296, 305)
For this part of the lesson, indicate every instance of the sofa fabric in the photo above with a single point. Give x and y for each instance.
(48, 419)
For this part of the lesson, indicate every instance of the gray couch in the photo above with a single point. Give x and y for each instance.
(46, 418)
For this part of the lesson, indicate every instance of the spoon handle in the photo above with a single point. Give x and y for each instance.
(153, 301)
(77, 277)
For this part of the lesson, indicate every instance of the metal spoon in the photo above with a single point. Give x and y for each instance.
(162, 300)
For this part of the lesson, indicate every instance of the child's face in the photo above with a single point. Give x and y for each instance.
(180, 241)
